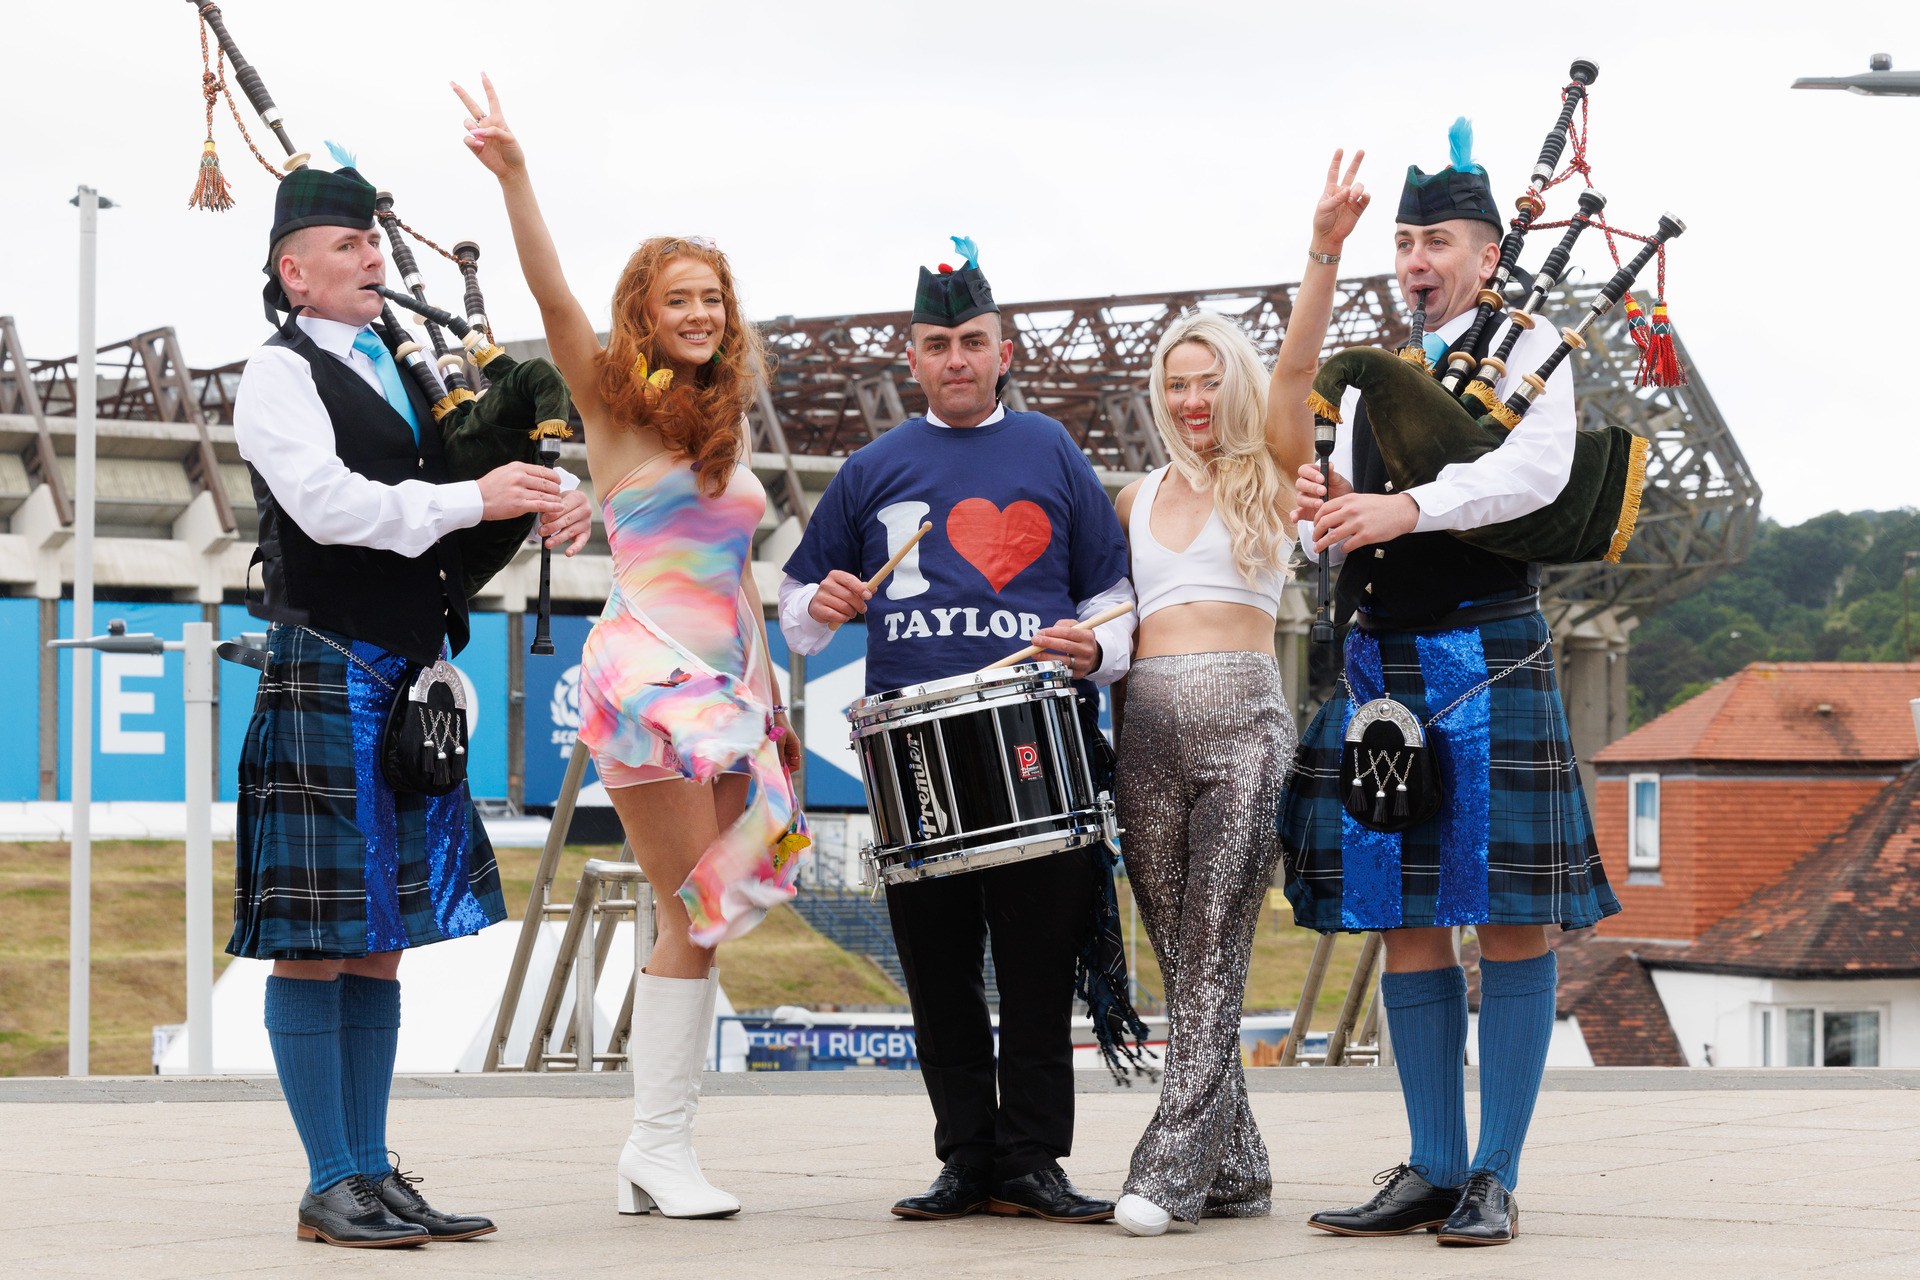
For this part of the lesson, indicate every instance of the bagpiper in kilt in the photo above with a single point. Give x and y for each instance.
(1449, 646)
(336, 873)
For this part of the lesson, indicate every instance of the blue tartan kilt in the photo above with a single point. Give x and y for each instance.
(330, 862)
(1513, 842)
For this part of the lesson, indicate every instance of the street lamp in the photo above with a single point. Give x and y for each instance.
(85, 409)
(1880, 80)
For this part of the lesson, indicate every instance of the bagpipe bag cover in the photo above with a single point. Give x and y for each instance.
(1419, 428)
(497, 428)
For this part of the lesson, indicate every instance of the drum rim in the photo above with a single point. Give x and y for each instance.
(1081, 834)
(1049, 678)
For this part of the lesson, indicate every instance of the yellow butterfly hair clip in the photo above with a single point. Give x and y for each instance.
(656, 382)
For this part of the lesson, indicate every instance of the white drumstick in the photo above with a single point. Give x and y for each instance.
(873, 583)
(1085, 624)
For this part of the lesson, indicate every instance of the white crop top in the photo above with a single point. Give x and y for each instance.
(1204, 571)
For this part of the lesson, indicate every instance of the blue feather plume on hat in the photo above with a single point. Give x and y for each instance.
(1460, 144)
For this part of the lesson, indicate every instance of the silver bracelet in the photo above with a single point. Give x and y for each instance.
(1324, 259)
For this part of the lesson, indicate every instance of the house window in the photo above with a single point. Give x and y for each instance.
(1814, 1037)
(1643, 822)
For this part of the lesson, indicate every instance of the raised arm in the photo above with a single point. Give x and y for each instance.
(1289, 421)
(570, 337)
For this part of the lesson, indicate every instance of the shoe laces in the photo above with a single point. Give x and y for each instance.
(1481, 1182)
(1390, 1178)
(404, 1182)
(365, 1194)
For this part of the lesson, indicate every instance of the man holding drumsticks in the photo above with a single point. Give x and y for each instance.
(1021, 531)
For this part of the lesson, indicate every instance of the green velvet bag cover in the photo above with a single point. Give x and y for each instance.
(491, 431)
(1419, 429)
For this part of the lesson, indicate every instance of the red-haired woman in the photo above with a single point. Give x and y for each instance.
(676, 695)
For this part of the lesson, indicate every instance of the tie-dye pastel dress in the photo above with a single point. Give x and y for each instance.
(674, 682)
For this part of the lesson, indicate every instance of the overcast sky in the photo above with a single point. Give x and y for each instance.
(1090, 148)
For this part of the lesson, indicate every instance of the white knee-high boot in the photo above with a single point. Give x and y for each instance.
(671, 1021)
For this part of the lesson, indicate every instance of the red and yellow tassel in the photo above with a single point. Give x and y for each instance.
(1659, 362)
(1636, 322)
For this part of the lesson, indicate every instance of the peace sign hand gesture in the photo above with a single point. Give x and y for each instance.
(488, 136)
(1341, 204)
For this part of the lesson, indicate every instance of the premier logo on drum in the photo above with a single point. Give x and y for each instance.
(1026, 757)
(933, 819)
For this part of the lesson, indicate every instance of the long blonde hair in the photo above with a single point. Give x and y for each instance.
(1248, 490)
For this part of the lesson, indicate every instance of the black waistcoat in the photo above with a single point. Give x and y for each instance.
(1418, 577)
(405, 604)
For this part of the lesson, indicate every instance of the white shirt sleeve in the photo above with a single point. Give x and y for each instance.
(282, 429)
(803, 633)
(1115, 637)
(1530, 467)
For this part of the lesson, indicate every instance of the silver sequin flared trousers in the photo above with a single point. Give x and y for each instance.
(1206, 743)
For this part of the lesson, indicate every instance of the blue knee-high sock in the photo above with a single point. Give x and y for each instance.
(303, 1026)
(1427, 1017)
(369, 1037)
(1516, 1023)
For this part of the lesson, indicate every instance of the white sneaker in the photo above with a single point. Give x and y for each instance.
(1139, 1216)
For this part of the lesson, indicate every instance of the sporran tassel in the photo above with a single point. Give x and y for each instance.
(1380, 807)
(1400, 800)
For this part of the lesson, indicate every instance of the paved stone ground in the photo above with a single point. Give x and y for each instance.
(1664, 1173)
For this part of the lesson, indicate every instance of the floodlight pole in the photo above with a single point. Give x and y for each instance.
(80, 790)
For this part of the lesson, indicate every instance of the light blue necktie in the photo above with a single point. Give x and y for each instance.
(368, 343)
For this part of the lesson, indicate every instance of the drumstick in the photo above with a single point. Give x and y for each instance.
(1085, 624)
(873, 583)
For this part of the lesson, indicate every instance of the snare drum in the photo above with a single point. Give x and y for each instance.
(975, 771)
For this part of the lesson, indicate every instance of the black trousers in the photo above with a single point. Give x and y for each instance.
(1036, 915)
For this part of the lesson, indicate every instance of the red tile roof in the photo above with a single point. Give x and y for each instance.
(1772, 711)
(1849, 909)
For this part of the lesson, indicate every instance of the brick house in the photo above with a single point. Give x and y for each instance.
(1820, 968)
(1700, 808)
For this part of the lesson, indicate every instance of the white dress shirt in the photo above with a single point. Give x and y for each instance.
(1524, 474)
(283, 431)
(806, 635)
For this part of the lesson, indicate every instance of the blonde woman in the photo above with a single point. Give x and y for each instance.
(1206, 739)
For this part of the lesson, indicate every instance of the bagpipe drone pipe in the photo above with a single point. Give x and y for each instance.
(507, 411)
(1420, 428)
(1424, 420)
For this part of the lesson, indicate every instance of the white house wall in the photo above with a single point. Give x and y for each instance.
(1713, 1014)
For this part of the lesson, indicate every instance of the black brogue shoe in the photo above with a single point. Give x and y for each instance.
(1486, 1213)
(399, 1193)
(1047, 1193)
(1405, 1202)
(957, 1192)
(350, 1214)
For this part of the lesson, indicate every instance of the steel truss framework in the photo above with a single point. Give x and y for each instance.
(840, 381)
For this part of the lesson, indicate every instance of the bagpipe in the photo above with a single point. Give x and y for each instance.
(1425, 418)
(491, 408)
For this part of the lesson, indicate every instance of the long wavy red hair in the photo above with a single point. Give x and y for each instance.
(703, 417)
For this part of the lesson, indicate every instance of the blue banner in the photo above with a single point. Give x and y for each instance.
(20, 699)
(139, 748)
(553, 708)
(835, 677)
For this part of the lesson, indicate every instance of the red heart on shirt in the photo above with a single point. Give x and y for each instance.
(999, 543)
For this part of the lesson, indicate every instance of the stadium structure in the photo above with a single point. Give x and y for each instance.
(176, 521)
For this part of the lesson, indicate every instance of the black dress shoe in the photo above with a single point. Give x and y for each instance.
(957, 1192)
(349, 1213)
(1487, 1213)
(1406, 1202)
(1046, 1193)
(403, 1202)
